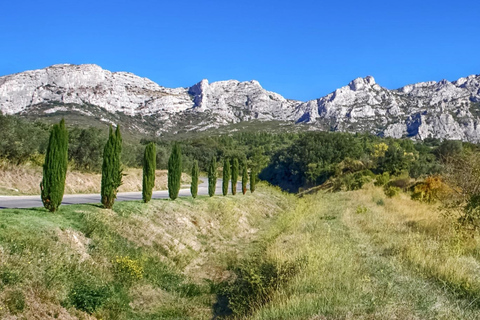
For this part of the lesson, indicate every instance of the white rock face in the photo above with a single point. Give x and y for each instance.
(429, 109)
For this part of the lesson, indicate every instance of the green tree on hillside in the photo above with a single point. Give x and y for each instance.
(174, 171)
(52, 186)
(226, 176)
(212, 177)
(194, 187)
(234, 175)
(253, 180)
(111, 168)
(244, 177)
(149, 165)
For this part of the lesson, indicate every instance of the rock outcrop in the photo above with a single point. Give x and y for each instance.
(430, 109)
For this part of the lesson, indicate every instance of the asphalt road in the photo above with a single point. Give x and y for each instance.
(35, 201)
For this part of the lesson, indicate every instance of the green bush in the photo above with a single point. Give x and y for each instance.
(382, 179)
(391, 191)
(253, 285)
(15, 301)
(88, 297)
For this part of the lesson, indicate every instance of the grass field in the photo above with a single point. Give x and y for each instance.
(266, 255)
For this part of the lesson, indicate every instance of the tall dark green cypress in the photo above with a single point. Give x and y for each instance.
(226, 176)
(111, 168)
(212, 177)
(194, 186)
(149, 166)
(52, 185)
(253, 179)
(174, 172)
(234, 175)
(244, 177)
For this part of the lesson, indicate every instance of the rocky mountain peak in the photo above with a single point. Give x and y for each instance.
(440, 109)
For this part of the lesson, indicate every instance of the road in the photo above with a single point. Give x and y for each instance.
(35, 201)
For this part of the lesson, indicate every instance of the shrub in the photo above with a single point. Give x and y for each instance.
(52, 186)
(253, 285)
(87, 297)
(428, 190)
(111, 168)
(127, 270)
(15, 301)
(391, 191)
(382, 179)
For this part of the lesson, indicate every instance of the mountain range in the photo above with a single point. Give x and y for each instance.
(444, 109)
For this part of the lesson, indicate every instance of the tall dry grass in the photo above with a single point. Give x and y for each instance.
(25, 180)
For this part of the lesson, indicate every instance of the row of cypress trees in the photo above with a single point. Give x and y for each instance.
(52, 186)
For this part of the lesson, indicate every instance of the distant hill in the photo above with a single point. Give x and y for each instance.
(90, 94)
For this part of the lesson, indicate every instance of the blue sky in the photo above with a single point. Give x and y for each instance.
(300, 49)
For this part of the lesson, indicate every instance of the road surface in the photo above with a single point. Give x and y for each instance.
(35, 201)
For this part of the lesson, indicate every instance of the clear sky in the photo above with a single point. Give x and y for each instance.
(301, 49)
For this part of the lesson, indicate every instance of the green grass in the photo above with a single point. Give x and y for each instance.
(266, 255)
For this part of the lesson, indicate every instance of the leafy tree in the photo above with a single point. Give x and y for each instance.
(111, 168)
(85, 148)
(149, 165)
(174, 171)
(244, 177)
(234, 175)
(253, 180)
(226, 176)
(212, 177)
(194, 187)
(52, 186)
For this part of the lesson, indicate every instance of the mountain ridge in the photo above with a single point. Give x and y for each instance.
(440, 109)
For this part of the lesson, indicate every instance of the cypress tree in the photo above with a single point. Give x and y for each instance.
(111, 168)
(226, 176)
(244, 177)
(234, 175)
(149, 166)
(52, 185)
(212, 177)
(253, 180)
(174, 172)
(194, 187)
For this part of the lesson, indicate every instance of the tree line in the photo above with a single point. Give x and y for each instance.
(55, 166)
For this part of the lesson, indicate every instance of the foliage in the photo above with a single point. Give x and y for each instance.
(244, 177)
(52, 186)
(212, 177)
(194, 186)
(352, 181)
(382, 179)
(391, 191)
(253, 285)
(15, 301)
(149, 166)
(429, 190)
(253, 180)
(127, 270)
(86, 147)
(226, 176)
(20, 140)
(235, 171)
(87, 296)
(174, 172)
(111, 168)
